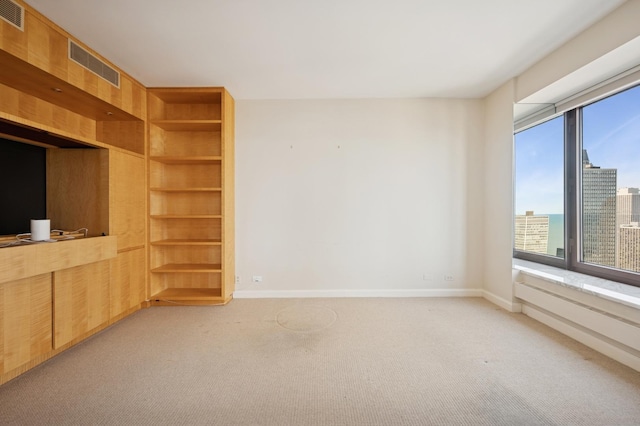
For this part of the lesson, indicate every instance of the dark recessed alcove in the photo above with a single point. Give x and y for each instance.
(26, 154)
(23, 185)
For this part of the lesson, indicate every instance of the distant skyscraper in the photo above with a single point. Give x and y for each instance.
(598, 213)
(628, 211)
(532, 233)
(628, 205)
(629, 247)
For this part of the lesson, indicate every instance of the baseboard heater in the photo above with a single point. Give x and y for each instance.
(613, 336)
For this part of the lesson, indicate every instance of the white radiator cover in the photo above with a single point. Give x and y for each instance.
(606, 332)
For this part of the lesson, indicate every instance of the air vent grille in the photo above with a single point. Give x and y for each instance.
(90, 62)
(12, 13)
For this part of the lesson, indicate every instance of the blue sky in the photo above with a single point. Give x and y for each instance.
(539, 168)
(611, 135)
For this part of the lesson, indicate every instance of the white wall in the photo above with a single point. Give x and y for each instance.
(359, 197)
(498, 191)
(603, 38)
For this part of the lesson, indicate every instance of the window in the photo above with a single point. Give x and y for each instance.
(577, 186)
(539, 194)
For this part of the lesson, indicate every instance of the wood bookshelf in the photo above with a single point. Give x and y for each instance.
(191, 236)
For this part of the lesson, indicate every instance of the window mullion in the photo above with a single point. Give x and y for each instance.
(572, 193)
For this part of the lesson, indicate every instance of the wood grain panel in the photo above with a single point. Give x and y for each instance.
(205, 255)
(186, 175)
(80, 300)
(78, 189)
(187, 143)
(128, 135)
(228, 200)
(185, 203)
(128, 286)
(191, 103)
(193, 111)
(25, 314)
(128, 195)
(170, 229)
(38, 37)
(187, 280)
(155, 107)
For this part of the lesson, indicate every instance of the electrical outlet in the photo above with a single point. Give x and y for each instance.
(448, 277)
(257, 278)
(237, 279)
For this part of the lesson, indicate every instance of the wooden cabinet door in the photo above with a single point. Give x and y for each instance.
(80, 301)
(127, 200)
(127, 281)
(25, 321)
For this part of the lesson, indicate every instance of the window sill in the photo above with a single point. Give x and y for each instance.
(610, 290)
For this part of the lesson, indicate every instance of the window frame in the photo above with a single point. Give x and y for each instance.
(573, 205)
(545, 259)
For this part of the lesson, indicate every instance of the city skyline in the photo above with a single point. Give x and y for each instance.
(609, 173)
(611, 135)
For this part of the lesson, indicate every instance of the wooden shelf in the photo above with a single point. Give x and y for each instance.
(186, 216)
(191, 183)
(204, 159)
(186, 242)
(188, 125)
(188, 294)
(188, 268)
(186, 189)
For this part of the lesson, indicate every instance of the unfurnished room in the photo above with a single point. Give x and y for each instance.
(418, 212)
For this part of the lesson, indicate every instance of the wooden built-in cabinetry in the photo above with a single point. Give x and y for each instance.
(51, 294)
(150, 169)
(54, 295)
(191, 195)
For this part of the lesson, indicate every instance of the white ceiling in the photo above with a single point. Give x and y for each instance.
(296, 49)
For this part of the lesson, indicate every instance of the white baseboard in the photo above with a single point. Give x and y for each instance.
(502, 302)
(301, 294)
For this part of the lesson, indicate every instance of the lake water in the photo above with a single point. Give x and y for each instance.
(556, 233)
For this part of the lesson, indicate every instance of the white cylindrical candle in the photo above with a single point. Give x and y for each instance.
(40, 229)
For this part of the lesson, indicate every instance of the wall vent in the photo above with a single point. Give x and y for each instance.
(93, 64)
(12, 13)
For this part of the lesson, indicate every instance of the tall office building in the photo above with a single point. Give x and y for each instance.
(628, 205)
(532, 233)
(628, 212)
(629, 247)
(598, 213)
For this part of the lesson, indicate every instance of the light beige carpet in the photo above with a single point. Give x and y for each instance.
(327, 362)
